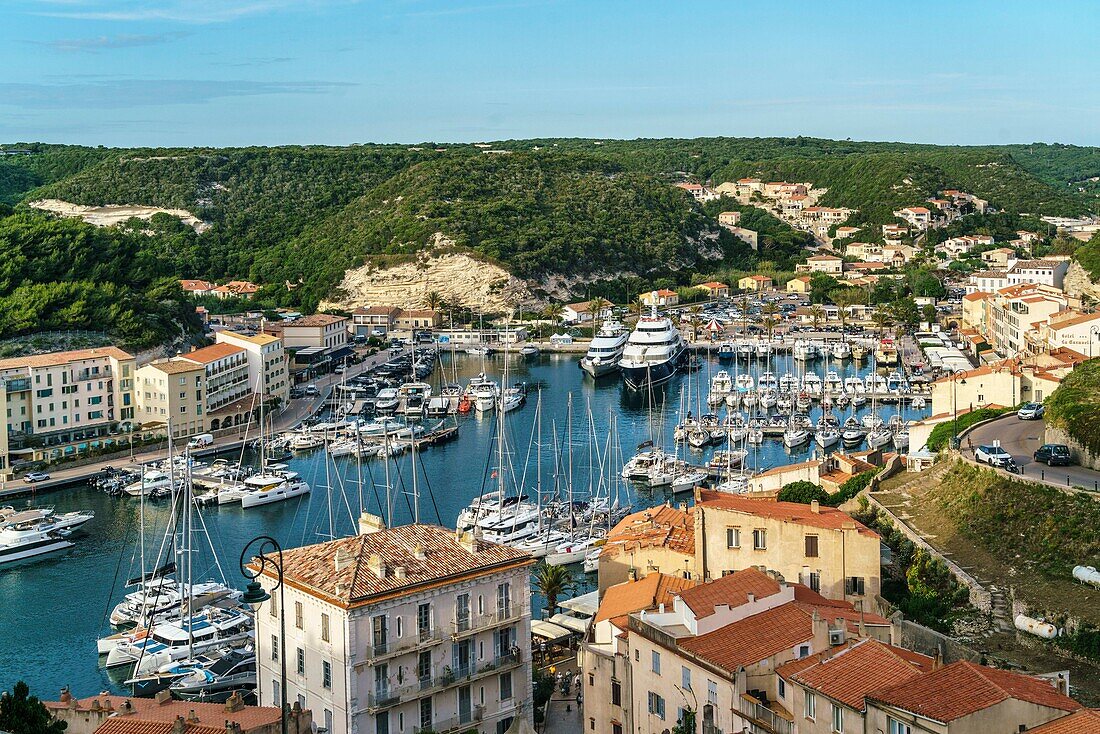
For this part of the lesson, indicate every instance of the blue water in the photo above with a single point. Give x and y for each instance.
(52, 609)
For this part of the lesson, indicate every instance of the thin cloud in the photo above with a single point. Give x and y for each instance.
(264, 61)
(129, 93)
(176, 11)
(107, 43)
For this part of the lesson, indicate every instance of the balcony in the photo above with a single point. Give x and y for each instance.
(393, 648)
(475, 623)
(392, 695)
(766, 718)
(19, 384)
(95, 374)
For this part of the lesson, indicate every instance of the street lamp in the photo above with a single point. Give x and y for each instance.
(955, 404)
(255, 595)
(1093, 331)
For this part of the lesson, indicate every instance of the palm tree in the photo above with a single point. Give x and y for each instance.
(552, 581)
(844, 299)
(817, 313)
(553, 311)
(433, 300)
(596, 306)
(771, 308)
(769, 323)
(637, 307)
(880, 317)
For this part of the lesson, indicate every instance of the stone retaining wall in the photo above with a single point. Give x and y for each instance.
(1081, 453)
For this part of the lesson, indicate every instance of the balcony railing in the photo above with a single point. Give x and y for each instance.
(19, 384)
(392, 695)
(475, 623)
(409, 643)
(764, 719)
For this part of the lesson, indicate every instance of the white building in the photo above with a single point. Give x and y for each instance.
(401, 630)
(266, 361)
(1037, 272)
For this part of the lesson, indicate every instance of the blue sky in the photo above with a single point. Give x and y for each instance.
(265, 72)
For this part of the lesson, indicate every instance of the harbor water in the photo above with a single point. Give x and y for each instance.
(53, 608)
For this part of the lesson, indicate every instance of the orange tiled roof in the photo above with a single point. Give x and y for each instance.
(115, 725)
(149, 710)
(732, 590)
(647, 593)
(869, 665)
(833, 609)
(213, 353)
(59, 358)
(313, 568)
(826, 517)
(317, 319)
(663, 526)
(1082, 319)
(754, 638)
(963, 688)
(1085, 721)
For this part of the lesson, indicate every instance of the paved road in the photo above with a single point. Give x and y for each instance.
(1021, 438)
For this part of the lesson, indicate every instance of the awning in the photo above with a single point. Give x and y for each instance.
(549, 631)
(576, 624)
(586, 604)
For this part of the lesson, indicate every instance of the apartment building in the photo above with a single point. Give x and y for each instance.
(172, 392)
(755, 283)
(1020, 379)
(659, 298)
(1038, 272)
(663, 646)
(958, 246)
(374, 321)
(829, 264)
(1014, 316)
(999, 257)
(419, 318)
(225, 369)
(267, 363)
(321, 330)
(1073, 330)
(987, 281)
(918, 217)
(412, 628)
(729, 219)
(63, 403)
(820, 547)
(659, 539)
(869, 251)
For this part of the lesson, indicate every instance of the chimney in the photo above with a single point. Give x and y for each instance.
(419, 552)
(750, 598)
(683, 507)
(342, 587)
(107, 705)
(369, 523)
(66, 696)
(937, 659)
(468, 541)
(815, 507)
(192, 717)
(179, 726)
(95, 705)
(342, 559)
(232, 727)
(127, 708)
(632, 574)
(163, 697)
(376, 565)
(399, 572)
(234, 703)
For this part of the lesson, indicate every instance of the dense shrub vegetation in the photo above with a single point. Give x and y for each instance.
(1075, 405)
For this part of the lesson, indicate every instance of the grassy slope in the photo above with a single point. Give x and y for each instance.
(1075, 405)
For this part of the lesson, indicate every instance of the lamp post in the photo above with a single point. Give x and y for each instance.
(255, 595)
(1093, 331)
(955, 404)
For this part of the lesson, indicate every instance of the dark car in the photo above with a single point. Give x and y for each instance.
(1053, 454)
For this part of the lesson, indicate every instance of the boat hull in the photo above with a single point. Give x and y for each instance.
(598, 369)
(652, 374)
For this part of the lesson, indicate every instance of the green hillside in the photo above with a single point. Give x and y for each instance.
(600, 209)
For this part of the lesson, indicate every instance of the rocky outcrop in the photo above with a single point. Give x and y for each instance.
(112, 214)
(1078, 283)
(458, 277)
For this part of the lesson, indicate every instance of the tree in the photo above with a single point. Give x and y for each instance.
(881, 317)
(905, 312)
(433, 300)
(553, 312)
(22, 713)
(552, 581)
(597, 306)
(928, 313)
(817, 315)
(769, 324)
(803, 492)
(686, 723)
(844, 299)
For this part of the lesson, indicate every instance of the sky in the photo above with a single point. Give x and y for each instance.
(268, 72)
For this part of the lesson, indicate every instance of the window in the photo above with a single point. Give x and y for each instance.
(637, 656)
(382, 722)
(298, 614)
(616, 729)
(328, 720)
(811, 546)
(811, 705)
(854, 586)
(656, 705)
(424, 621)
(591, 723)
(275, 648)
(462, 612)
(505, 686)
(504, 600)
(733, 537)
(301, 661)
(616, 693)
(712, 693)
(815, 581)
(274, 608)
(803, 651)
(893, 726)
(655, 662)
(685, 678)
(424, 667)
(426, 713)
(326, 674)
(838, 719)
(324, 627)
(759, 539)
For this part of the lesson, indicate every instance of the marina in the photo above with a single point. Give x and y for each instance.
(457, 462)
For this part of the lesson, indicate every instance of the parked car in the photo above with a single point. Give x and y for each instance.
(1053, 454)
(35, 476)
(992, 455)
(311, 390)
(1031, 412)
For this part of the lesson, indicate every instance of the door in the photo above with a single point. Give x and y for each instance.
(380, 634)
(462, 612)
(424, 621)
(465, 705)
(461, 658)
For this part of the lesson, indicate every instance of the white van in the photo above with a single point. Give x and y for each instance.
(203, 439)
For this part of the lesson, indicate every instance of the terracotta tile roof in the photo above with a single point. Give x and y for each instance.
(915, 209)
(732, 590)
(1085, 721)
(53, 359)
(754, 638)
(786, 670)
(963, 688)
(175, 366)
(786, 468)
(260, 338)
(196, 285)
(832, 609)
(317, 319)
(213, 353)
(869, 665)
(713, 285)
(378, 311)
(1083, 319)
(826, 517)
(313, 568)
(976, 296)
(129, 725)
(150, 710)
(647, 593)
(664, 526)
